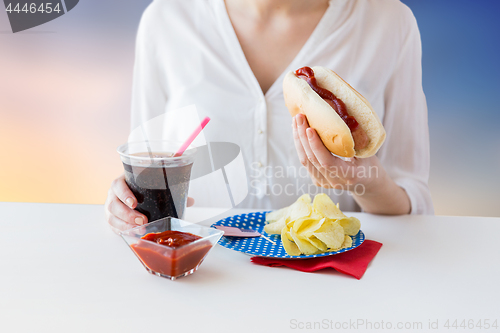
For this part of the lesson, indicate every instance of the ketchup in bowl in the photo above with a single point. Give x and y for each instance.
(170, 247)
(171, 238)
(171, 263)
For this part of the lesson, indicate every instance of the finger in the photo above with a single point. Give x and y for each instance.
(123, 192)
(321, 154)
(125, 213)
(298, 144)
(316, 176)
(190, 202)
(302, 125)
(118, 225)
(334, 168)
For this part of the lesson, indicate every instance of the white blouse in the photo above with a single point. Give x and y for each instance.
(188, 54)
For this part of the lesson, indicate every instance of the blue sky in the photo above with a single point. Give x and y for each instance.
(460, 53)
(461, 71)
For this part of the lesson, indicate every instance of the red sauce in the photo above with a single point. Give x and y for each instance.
(171, 238)
(307, 74)
(175, 259)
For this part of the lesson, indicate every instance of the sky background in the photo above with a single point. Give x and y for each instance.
(65, 101)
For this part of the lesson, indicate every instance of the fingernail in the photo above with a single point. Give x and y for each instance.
(309, 133)
(293, 123)
(300, 121)
(139, 221)
(130, 202)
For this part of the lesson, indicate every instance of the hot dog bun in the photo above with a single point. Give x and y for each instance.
(333, 131)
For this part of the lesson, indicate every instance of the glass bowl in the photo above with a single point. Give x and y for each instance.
(169, 262)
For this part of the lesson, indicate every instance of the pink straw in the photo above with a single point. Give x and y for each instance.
(193, 136)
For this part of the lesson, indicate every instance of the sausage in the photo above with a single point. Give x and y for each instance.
(360, 138)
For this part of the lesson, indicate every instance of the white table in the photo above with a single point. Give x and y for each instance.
(63, 270)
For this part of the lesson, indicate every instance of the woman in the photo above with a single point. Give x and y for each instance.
(229, 58)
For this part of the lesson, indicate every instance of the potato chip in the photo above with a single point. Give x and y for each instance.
(309, 229)
(351, 225)
(301, 208)
(324, 206)
(302, 223)
(275, 228)
(347, 242)
(315, 215)
(288, 234)
(317, 243)
(305, 197)
(275, 216)
(290, 247)
(331, 233)
(304, 245)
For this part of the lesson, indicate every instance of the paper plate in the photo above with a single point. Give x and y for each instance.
(259, 246)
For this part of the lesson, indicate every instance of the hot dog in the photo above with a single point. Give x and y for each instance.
(343, 119)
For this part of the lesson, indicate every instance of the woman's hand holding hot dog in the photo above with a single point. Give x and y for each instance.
(372, 188)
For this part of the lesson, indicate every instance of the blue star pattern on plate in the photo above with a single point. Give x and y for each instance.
(259, 246)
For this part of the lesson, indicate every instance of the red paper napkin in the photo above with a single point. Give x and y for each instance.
(352, 262)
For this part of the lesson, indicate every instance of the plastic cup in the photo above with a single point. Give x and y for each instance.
(159, 181)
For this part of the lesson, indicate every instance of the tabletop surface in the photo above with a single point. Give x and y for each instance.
(64, 270)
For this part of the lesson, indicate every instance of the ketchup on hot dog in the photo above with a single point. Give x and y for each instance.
(359, 136)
